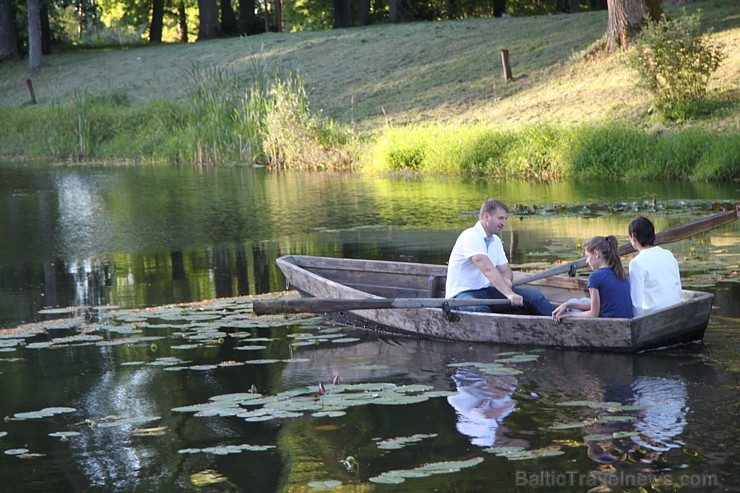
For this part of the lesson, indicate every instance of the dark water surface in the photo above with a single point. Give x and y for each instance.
(146, 236)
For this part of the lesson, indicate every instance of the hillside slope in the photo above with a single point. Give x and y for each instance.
(440, 71)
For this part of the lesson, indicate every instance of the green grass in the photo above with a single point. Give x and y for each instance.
(374, 95)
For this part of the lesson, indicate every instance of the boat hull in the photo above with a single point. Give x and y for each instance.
(324, 277)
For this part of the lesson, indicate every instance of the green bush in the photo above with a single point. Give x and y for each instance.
(674, 61)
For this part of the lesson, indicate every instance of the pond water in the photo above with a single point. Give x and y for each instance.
(105, 403)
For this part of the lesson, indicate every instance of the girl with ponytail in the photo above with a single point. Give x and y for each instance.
(608, 286)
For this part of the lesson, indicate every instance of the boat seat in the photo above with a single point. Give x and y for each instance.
(437, 286)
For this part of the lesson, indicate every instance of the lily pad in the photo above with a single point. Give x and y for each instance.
(65, 434)
(17, 451)
(609, 436)
(325, 484)
(328, 414)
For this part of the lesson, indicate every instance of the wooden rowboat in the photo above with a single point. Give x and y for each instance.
(348, 279)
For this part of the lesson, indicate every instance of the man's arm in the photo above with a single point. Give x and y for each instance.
(496, 276)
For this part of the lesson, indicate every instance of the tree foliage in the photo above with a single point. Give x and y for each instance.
(674, 60)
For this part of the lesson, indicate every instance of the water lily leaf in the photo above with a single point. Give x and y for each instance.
(250, 348)
(401, 442)
(371, 367)
(609, 436)
(38, 345)
(43, 413)
(520, 358)
(566, 426)
(450, 466)
(413, 388)
(65, 434)
(328, 414)
(499, 370)
(439, 393)
(294, 405)
(345, 340)
(399, 400)
(303, 343)
(3, 433)
(59, 311)
(166, 361)
(149, 432)
(262, 361)
(591, 404)
(17, 451)
(386, 479)
(618, 418)
(504, 451)
(202, 367)
(236, 397)
(325, 484)
(185, 346)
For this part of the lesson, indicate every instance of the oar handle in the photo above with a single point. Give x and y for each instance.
(326, 305)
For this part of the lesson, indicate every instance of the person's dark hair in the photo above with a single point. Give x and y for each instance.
(491, 205)
(643, 230)
(609, 249)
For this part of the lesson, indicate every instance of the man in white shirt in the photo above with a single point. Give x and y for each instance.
(478, 267)
(655, 282)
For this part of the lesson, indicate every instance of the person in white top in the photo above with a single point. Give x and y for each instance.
(478, 267)
(655, 281)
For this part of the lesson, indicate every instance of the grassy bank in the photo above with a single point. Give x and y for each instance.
(425, 97)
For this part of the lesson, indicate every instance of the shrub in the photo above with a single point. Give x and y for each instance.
(674, 62)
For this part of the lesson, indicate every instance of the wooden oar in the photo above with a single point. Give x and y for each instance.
(325, 305)
(675, 233)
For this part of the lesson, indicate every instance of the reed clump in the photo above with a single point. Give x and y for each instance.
(227, 118)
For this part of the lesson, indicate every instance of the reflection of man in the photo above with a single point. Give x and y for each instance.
(664, 418)
(481, 402)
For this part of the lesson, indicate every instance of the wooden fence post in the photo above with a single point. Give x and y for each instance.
(29, 84)
(507, 66)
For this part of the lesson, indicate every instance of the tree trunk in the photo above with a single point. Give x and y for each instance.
(45, 29)
(8, 34)
(363, 13)
(342, 14)
(209, 27)
(34, 35)
(499, 7)
(182, 22)
(627, 18)
(229, 25)
(155, 28)
(400, 11)
(249, 23)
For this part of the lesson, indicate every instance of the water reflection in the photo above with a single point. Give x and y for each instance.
(662, 422)
(482, 403)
